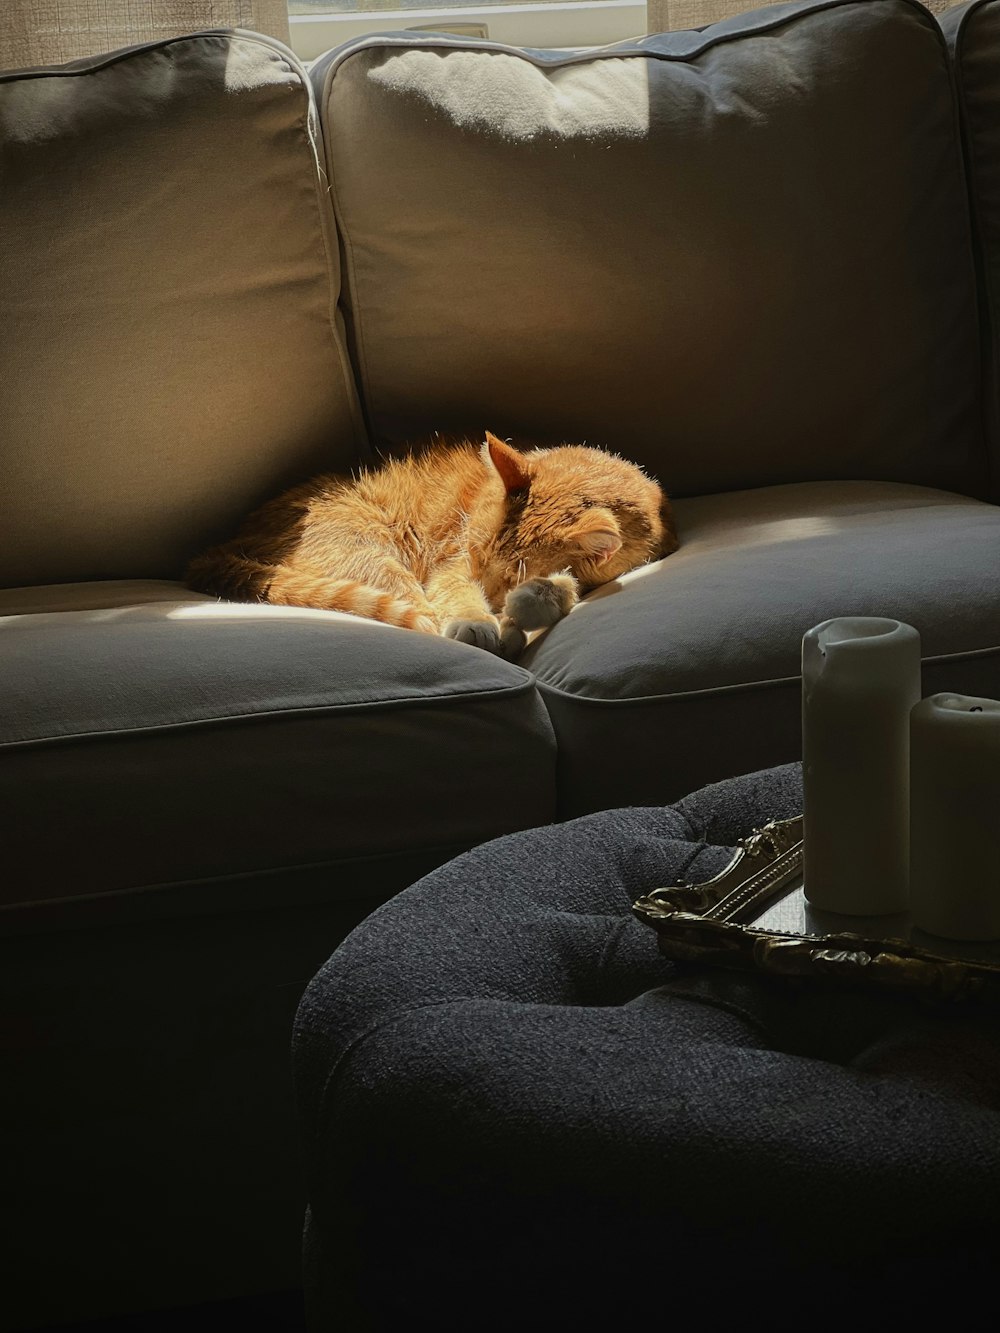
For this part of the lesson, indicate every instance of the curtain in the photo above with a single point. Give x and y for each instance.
(50, 32)
(676, 15)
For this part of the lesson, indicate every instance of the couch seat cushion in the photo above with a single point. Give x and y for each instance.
(163, 744)
(687, 670)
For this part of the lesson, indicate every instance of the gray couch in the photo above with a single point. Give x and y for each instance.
(761, 259)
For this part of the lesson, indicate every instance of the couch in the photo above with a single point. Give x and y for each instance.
(761, 259)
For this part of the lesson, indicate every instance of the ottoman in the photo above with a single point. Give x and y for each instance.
(516, 1113)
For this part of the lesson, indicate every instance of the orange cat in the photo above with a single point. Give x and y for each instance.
(478, 543)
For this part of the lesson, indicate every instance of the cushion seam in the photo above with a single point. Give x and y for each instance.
(277, 49)
(133, 891)
(324, 216)
(737, 687)
(617, 51)
(350, 274)
(307, 710)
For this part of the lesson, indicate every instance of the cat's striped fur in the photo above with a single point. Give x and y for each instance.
(436, 540)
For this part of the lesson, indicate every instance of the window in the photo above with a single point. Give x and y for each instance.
(316, 25)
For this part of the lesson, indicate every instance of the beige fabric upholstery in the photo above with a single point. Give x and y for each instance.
(672, 15)
(101, 596)
(169, 278)
(699, 250)
(50, 32)
(687, 671)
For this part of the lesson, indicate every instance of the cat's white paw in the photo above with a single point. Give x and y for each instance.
(483, 634)
(539, 603)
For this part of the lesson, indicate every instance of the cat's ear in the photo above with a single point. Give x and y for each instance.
(597, 535)
(509, 464)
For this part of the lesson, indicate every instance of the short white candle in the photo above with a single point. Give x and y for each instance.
(860, 679)
(955, 817)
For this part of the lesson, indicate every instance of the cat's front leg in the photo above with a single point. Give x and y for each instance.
(535, 604)
(461, 606)
(540, 602)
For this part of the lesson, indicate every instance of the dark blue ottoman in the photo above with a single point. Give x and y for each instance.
(516, 1114)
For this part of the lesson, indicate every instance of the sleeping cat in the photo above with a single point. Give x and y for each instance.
(478, 543)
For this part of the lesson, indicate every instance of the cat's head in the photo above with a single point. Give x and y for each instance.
(577, 508)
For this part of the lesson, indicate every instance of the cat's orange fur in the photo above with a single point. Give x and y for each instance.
(435, 541)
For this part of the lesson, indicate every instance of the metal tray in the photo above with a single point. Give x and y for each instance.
(754, 916)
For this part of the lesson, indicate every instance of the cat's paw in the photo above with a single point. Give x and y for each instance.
(483, 634)
(512, 641)
(539, 603)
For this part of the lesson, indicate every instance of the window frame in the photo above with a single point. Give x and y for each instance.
(541, 24)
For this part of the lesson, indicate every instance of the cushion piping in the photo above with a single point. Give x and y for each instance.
(263, 715)
(643, 46)
(736, 688)
(93, 64)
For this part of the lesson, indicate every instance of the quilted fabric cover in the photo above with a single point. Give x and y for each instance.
(511, 1105)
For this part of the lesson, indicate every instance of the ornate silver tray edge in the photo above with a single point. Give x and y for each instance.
(714, 922)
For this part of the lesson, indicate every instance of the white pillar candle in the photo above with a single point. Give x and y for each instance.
(860, 679)
(955, 817)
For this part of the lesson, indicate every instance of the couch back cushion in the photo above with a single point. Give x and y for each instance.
(973, 33)
(739, 255)
(168, 286)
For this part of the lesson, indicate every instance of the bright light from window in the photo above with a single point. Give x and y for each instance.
(300, 8)
(318, 25)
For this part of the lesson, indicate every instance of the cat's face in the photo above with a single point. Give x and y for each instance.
(579, 509)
